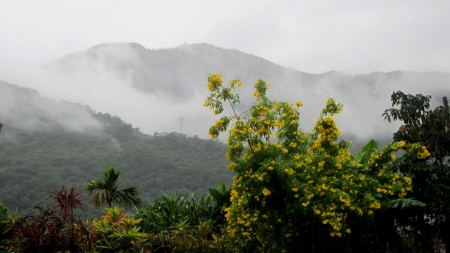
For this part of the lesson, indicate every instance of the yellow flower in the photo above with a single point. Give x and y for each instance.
(298, 103)
(424, 154)
(407, 180)
(370, 212)
(266, 192)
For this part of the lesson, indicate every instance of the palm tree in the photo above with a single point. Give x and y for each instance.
(108, 192)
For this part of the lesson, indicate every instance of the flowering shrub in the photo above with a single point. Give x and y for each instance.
(288, 182)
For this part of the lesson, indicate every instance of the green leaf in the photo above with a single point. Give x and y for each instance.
(405, 203)
(363, 156)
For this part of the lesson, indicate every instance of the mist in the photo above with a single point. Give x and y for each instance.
(357, 52)
(119, 79)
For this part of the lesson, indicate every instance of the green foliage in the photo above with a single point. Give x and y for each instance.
(116, 232)
(421, 125)
(3, 219)
(405, 203)
(290, 185)
(3, 215)
(187, 224)
(176, 209)
(52, 230)
(107, 191)
(431, 177)
(221, 197)
(364, 155)
(34, 163)
(430, 127)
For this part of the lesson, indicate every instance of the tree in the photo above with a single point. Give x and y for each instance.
(107, 191)
(431, 177)
(421, 125)
(294, 189)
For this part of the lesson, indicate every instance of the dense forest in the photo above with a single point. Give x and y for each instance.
(33, 162)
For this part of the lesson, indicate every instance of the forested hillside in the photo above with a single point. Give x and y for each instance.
(51, 151)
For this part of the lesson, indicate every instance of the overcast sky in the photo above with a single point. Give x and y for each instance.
(310, 36)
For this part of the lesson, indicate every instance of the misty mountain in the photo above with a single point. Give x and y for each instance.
(176, 73)
(174, 79)
(46, 144)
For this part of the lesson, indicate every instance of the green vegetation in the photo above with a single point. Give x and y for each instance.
(106, 191)
(52, 154)
(431, 177)
(176, 224)
(292, 191)
(291, 186)
(3, 217)
(52, 230)
(33, 164)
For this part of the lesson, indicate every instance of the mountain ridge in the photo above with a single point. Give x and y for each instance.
(51, 153)
(165, 90)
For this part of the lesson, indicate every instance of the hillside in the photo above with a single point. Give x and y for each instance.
(175, 78)
(162, 90)
(46, 144)
(176, 72)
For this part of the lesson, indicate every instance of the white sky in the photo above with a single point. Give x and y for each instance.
(310, 36)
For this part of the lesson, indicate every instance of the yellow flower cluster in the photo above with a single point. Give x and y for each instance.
(423, 153)
(314, 174)
(214, 81)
